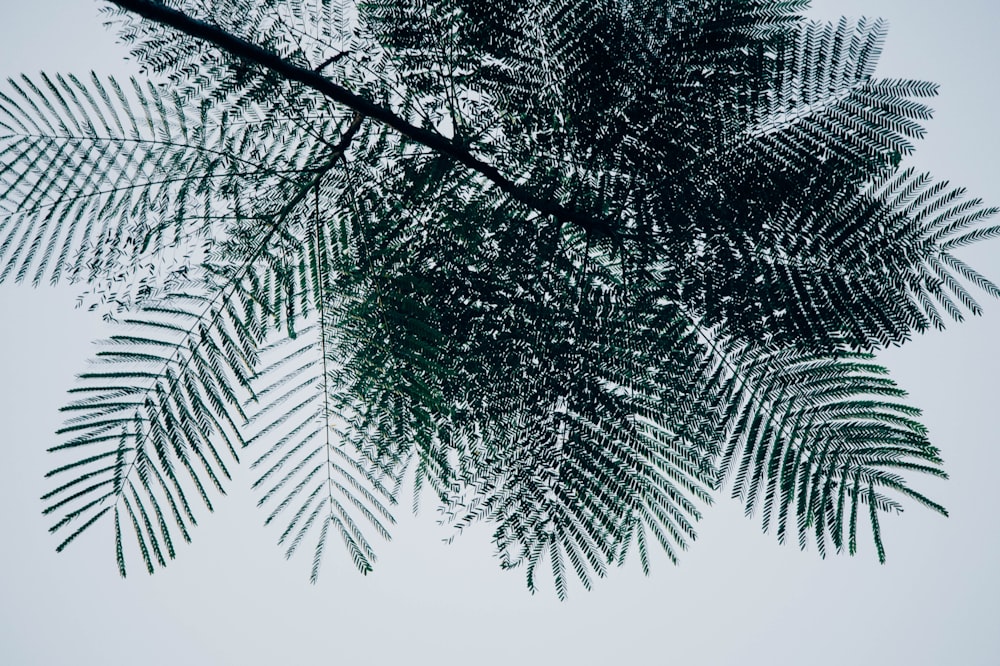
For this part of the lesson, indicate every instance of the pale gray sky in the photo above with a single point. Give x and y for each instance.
(737, 597)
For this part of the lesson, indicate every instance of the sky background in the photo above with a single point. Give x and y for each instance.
(737, 597)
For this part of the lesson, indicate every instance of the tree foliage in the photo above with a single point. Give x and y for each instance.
(570, 268)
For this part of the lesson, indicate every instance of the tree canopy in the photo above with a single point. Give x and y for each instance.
(570, 268)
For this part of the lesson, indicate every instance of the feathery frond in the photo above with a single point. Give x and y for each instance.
(157, 420)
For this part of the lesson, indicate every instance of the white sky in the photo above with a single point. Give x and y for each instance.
(737, 597)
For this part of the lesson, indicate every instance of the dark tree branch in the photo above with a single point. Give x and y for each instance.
(250, 52)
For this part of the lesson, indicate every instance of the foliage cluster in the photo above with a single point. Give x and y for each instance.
(573, 268)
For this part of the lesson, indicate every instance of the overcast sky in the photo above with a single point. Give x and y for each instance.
(737, 597)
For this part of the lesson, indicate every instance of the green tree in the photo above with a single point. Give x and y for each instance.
(572, 268)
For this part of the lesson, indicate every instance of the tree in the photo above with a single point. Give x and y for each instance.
(573, 268)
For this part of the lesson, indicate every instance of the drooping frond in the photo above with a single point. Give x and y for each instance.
(566, 437)
(310, 473)
(595, 451)
(810, 439)
(824, 103)
(866, 265)
(313, 469)
(92, 172)
(103, 183)
(156, 420)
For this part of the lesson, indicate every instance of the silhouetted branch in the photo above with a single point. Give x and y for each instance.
(248, 51)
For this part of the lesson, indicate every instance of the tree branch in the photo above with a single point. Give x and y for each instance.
(250, 52)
